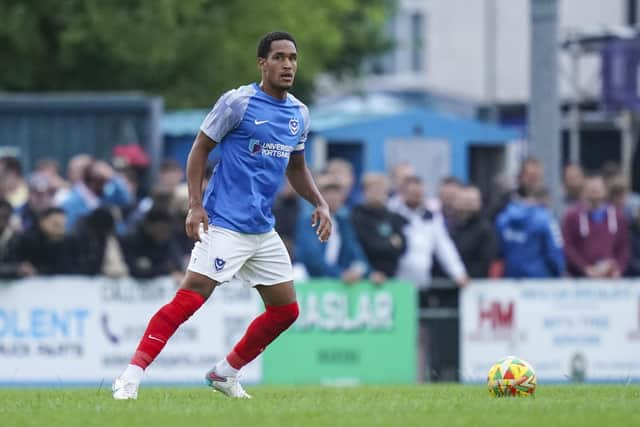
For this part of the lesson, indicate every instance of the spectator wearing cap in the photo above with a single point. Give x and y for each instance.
(341, 256)
(13, 187)
(100, 186)
(41, 197)
(46, 248)
(596, 234)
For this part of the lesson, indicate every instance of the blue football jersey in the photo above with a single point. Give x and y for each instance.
(256, 134)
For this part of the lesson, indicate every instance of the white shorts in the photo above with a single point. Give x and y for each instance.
(255, 259)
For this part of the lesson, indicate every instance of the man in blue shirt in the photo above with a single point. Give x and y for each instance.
(261, 130)
(530, 239)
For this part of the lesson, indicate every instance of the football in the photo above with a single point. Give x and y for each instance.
(511, 377)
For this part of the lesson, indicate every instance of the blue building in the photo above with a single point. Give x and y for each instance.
(376, 136)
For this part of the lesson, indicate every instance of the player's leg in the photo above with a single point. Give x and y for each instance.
(214, 259)
(269, 270)
(194, 291)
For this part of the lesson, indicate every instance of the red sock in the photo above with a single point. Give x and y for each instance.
(163, 324)
(261, 332)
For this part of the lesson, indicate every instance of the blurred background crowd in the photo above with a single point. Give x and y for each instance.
(92, 217)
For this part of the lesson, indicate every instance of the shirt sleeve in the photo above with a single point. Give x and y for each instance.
(225, 115)
(305, 130)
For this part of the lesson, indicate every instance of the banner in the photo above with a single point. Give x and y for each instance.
(347, 334)
(568, 330)
(65, 330)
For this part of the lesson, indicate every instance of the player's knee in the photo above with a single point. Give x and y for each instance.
(285, 315)
(198, 283)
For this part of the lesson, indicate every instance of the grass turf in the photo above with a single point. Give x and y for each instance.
(428, 405)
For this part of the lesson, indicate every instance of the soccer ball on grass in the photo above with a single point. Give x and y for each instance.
(511, 377)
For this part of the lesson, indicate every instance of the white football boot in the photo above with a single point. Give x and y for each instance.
(229, 386)
(125, 389)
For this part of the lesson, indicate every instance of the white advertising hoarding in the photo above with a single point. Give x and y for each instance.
(568, 330)
(81, 330)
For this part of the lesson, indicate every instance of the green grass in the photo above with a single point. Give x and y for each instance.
(429, 405)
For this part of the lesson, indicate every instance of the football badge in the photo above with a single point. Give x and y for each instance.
(293, 126)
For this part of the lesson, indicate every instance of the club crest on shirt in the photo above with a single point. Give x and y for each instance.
(293, 126)
(219, 263)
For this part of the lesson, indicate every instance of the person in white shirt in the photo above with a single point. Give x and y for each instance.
(426, 236)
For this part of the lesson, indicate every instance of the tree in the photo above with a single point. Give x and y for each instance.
(188, 51)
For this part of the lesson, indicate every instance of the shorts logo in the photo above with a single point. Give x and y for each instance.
(219, 263)
(293, 126)
(254, 146)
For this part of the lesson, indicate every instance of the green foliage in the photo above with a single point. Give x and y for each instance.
(189, 51)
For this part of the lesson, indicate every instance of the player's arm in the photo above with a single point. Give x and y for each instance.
(196, 164)
(301, 180)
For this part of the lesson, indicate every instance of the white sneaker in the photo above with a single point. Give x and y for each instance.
(229, 386)
(124, 389)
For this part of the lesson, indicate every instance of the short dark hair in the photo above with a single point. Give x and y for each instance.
(53, 210)
(264, 46)
(11, 163)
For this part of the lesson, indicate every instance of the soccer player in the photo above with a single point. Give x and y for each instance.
(261, 130)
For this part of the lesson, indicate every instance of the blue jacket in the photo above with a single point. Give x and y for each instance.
(75, 206)
(311, 252)
(530, 241)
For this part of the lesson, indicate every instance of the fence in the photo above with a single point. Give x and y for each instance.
(79, 330)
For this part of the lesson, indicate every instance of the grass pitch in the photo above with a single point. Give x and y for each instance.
(428, 405)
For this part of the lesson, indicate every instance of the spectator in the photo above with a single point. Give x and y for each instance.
(99, 250)
(472, 233)
(50, 168)
(75, 170)
(41, 195)
(8, 267)
(46, 248)
(573, 180)
(100, 186)
(286, 210)
(341, 256)
(150, 250)
(426, 236)
(529, 239)
(448, 191)
(596, 234)
(343, 172)
(13, 187)
(399, 173)
(633, 270)
(379, 230)
(530, 181)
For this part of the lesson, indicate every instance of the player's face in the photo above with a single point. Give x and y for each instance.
(279, 68)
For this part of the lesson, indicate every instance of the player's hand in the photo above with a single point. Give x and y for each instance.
(351, 275)
(196, 216)
(462, 281)
(321, 219)
(377, 277)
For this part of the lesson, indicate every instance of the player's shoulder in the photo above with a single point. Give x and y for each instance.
(292, 98)
(240, 93)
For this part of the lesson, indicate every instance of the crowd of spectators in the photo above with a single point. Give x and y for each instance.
(97, 220)
(385, 227)
(93, 221)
